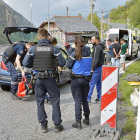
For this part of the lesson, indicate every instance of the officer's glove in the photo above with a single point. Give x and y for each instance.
(61, 73)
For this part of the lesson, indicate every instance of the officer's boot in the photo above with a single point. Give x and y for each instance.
(77, 124)
(44, 128)
(58, 128)
(86, 120)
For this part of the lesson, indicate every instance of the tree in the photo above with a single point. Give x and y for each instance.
(96, 20)
(79, 14)
(113, 14)
(134, 14)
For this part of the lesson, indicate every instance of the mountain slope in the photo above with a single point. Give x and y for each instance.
(9, 17)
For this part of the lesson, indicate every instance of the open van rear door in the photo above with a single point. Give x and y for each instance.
(130, 43)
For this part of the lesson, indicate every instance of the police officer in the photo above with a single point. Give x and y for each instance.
(12, 56)
(45, 58)
(80, 63)
(96, 68)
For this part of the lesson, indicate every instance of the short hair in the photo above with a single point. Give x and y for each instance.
(43, 33)
(97, 37)
(116, 39)
(53, 40)
(122, 39)
(30, 43)
(109, 40)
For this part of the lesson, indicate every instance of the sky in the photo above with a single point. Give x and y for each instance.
(58, 7)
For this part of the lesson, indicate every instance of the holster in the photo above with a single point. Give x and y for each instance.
(5, 59)
(88, 78)
(43, 75)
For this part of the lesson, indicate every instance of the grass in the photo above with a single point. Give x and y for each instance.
(125, 89)
(130, 126)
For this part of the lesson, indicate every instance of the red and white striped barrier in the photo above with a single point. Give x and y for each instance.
(109, 98)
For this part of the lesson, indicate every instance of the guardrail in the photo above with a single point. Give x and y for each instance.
(138, 119)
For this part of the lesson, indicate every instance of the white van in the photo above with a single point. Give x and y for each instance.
(130, 38)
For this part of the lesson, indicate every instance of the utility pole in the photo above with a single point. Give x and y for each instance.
(31, 14)
(67, 11)
(108, 20)
(48, 17)
(31, 22)
(102, 25)
(91, 11)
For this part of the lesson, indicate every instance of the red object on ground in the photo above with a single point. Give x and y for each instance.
(21, 87)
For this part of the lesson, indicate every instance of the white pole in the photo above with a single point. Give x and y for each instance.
(138, 121)
(48, 15)
(31, 22)
(31, 14)
(91, 11)
(102, 26)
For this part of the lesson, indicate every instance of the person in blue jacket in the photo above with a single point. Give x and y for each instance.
(80, 63)
(12, 57)
(44, 58)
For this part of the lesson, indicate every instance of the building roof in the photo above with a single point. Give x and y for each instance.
(117, 25)
(72, 24)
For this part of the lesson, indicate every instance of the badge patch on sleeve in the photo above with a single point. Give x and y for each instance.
(21, 51)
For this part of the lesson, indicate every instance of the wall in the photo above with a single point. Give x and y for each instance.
(56, 32)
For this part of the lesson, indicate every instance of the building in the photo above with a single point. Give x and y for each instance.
(65, 28)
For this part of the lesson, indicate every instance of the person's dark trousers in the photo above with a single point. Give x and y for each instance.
(80, 89)
(14, 76)
(41, 87)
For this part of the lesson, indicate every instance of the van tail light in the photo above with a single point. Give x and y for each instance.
(3, 66)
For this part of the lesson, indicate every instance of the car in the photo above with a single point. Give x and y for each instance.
(103, 41)
(26, 34)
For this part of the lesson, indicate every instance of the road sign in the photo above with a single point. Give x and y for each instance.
(109, 98)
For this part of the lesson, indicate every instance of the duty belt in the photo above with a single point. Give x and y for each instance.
(73, 75)
(46, 75)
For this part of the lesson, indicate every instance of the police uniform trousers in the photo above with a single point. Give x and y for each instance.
(41, 87)
(14, 75)
(80, 89)
(96, 80)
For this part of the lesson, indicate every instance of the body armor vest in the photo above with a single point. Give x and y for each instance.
(12, 54)
(44, 59)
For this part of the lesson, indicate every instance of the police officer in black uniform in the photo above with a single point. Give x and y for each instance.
(45, 59)
(80, 63)
(14, 54)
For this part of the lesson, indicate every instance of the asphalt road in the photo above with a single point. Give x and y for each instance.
(18, 118)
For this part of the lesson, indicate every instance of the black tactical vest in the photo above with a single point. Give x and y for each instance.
(44, 59)
(12, 54)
